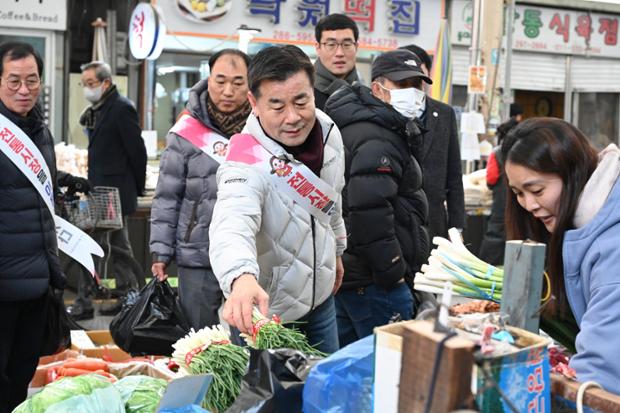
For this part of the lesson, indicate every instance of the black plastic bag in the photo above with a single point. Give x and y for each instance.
(274, 382)
(57, 324)
(151, 322)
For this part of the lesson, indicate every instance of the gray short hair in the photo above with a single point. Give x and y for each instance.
(102, 70)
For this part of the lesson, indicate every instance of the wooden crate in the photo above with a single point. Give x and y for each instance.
(453, 385)
(594, 398)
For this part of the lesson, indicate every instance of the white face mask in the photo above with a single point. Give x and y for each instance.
(409, 102)
(93, 95)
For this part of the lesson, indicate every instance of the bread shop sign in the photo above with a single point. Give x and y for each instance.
(34, 14)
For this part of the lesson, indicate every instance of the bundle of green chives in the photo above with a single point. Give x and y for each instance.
(272, 334)
(209, 350)
(470, 276)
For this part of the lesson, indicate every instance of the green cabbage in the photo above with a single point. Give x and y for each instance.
(141, 394)
(90, 393)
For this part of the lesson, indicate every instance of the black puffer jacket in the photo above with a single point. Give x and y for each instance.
(28, 249)
(384, 206)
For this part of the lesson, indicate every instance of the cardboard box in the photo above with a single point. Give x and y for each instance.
(97, 343)
(523, 376)
(143, 368)
(388, 354)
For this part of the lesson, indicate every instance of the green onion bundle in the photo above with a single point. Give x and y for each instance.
(452, 262)
(209, 350)
(272, 334)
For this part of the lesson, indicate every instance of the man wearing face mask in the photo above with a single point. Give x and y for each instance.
(384, 206)
(440, 159)
(116, 157)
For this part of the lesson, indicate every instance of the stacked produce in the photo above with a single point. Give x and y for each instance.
(452, 262)
(79, 367)
(272, 334)
(71, 159)
(209, 350)
(86, 393)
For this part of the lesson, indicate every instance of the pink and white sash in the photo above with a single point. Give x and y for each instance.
(294, 179)
(25, 155)
(199, 135)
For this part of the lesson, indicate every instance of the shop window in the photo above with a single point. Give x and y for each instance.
(175, 74)
(598, 117)
(459, 95)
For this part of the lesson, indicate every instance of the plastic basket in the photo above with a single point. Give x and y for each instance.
(100, 209)
(77, 212)
(105, 207)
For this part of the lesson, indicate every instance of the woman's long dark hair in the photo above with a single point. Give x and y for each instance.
(549, 145)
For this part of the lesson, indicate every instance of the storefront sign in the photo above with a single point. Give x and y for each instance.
(34, 14)
(461, 22)
(384, 24)
(145, 32)
(548, 30)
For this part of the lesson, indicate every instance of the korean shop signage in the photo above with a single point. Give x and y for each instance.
(384, 24)
(146, 31)
(34, 14)
(548, 30)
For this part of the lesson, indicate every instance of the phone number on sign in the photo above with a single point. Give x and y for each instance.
(365, 41)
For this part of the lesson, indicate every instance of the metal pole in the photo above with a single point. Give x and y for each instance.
(568, 93)
(111, 39)
(474, 51)
(149, 91)
(507, 94)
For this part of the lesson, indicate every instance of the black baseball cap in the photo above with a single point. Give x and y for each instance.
(398, 65)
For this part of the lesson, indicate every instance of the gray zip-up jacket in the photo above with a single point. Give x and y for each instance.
(185, 195)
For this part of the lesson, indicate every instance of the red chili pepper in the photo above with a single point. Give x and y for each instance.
(173, 366)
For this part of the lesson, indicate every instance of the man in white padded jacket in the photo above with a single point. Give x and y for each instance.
(277, 233)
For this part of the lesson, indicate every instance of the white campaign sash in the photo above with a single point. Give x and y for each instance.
(295, 180)
(20, 149)
(195, 132)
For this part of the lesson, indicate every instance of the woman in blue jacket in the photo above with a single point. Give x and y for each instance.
(565, 194)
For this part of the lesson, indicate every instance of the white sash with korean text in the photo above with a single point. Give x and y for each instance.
(205, 139)
(20, 149)
(295, 180)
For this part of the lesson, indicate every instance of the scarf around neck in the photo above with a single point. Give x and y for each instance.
(327, 83)
(229, 123)
(88, 117)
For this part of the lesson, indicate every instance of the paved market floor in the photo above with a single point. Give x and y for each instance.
(98, 322)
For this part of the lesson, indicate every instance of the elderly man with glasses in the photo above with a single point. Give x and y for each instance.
(336, 48)
(28, 248)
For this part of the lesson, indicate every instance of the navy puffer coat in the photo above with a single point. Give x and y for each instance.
(28, 248)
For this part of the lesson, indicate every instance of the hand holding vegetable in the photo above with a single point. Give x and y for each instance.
(272, 334)
(246, 293)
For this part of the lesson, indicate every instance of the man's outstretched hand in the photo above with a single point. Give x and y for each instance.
(246, 293)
